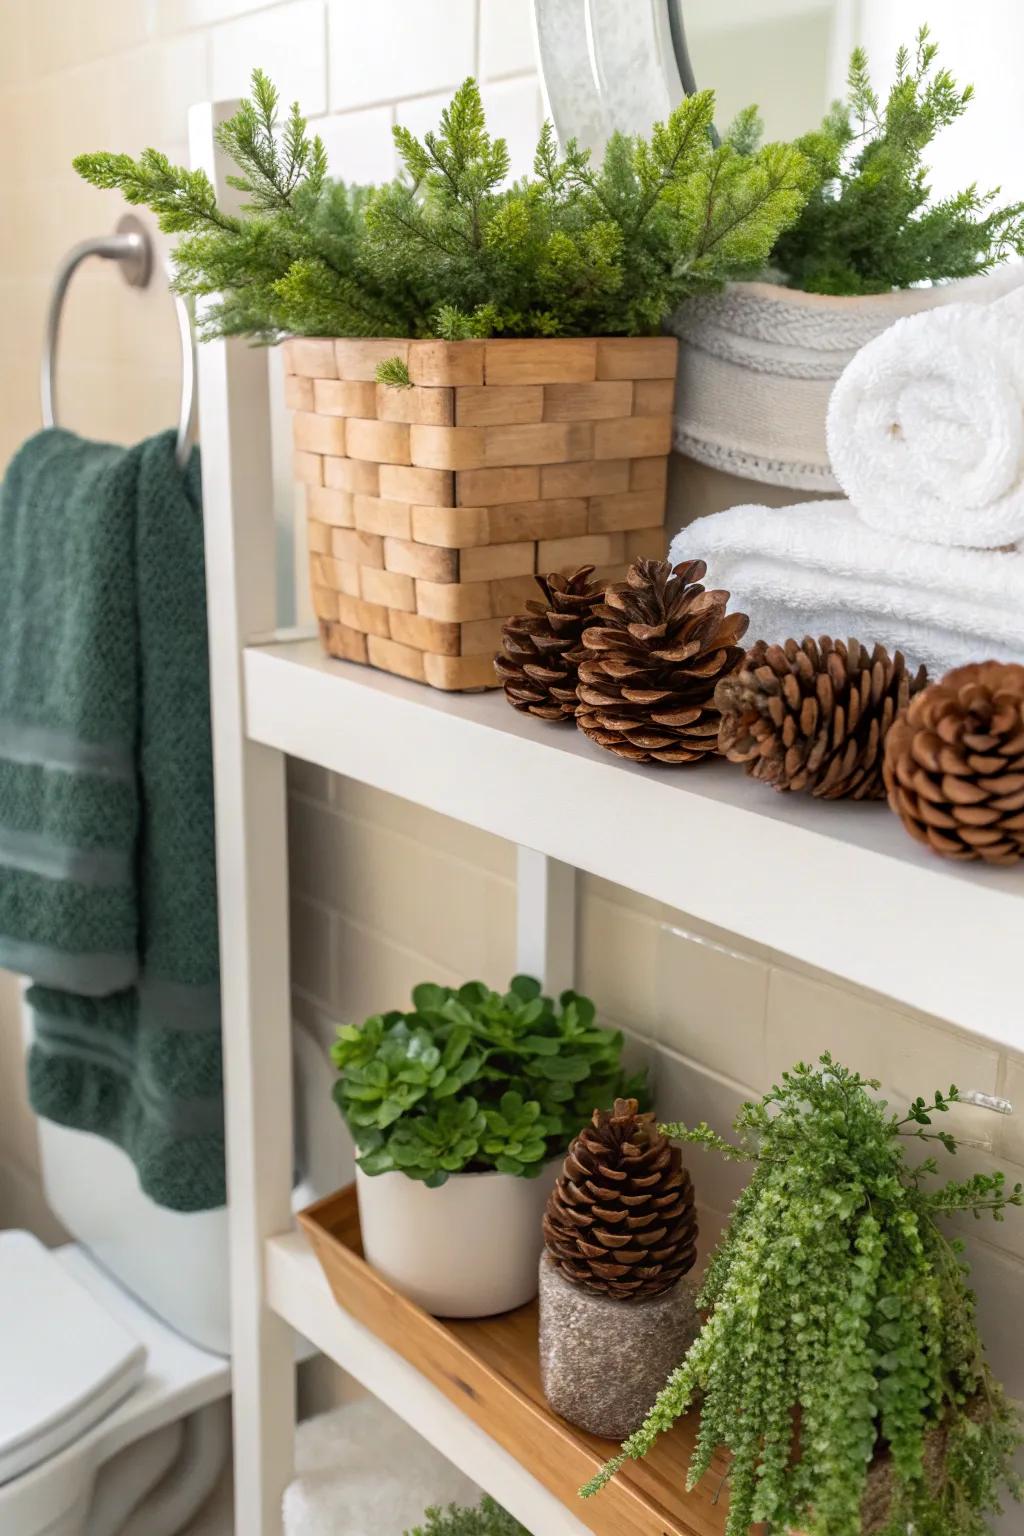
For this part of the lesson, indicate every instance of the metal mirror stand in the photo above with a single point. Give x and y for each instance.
(131, 246)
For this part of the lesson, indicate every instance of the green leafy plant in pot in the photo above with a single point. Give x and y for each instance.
(841, 1363)
(460, 1109)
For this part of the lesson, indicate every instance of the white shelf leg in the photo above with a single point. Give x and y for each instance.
(234, 428)
(545, 919)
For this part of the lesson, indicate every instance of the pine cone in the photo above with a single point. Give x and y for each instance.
(542, 646)
(954, 764)
(814, 716)
(652, 659)
(621, 1218)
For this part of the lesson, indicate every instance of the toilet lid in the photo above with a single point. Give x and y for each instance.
(64, 1361)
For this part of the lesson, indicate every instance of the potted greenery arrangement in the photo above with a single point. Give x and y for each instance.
(841, 1363)
(759, 360)
(480, 388)
(461, 1110)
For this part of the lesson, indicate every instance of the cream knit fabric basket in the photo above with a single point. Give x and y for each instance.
(757, 365)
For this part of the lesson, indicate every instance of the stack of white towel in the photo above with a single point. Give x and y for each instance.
(926, 437)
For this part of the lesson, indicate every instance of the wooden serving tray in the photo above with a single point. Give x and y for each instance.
(490, 1369)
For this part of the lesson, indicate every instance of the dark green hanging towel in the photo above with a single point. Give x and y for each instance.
(108, 896)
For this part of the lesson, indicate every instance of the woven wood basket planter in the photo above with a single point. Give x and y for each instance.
(430, 509)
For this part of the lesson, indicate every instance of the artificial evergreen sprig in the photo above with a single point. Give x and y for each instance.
(837, 1302)
(449, 248)
(869, 225)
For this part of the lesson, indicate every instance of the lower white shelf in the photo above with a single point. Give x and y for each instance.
(298, 1292)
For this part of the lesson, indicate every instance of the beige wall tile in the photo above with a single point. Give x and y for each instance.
(711, 1003)
(684, 1091)
(371, 973)
(441, 832)
(617, 954)
(1008, 1137)
(308, 780)
(312, 945)
(909, 1056)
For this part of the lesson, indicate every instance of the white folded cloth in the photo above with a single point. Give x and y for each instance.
(926, 426)
(817, 568)
(363, 1472)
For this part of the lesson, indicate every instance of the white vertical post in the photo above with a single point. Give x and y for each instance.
(234, 430)
(545, 919)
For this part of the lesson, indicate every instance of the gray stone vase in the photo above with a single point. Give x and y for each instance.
(603, 1361)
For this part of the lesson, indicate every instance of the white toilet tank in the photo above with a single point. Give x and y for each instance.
(178, 1264)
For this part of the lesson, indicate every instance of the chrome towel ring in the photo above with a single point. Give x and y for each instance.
(131, 246)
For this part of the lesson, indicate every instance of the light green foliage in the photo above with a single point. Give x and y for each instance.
(394, 371)
(487, 1519)
(448, 250)
(835, 1296)
(870, 225)
(474, 1079)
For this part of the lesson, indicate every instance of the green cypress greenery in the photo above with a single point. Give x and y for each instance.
(869, 225)
(447, 249)
(487, 1519)
(838, 1305)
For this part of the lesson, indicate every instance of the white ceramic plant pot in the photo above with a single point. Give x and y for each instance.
(468, 1249)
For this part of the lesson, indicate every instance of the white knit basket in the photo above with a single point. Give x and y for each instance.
(757, 365)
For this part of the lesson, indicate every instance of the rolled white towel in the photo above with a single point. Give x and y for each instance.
(926, 426)
(817, 569)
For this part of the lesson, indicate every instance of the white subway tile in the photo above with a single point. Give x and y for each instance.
(287, 42)
(359, 145)
(397, 48)
(181, 15)
(506, 38)
(515, 113)
(711, 1003)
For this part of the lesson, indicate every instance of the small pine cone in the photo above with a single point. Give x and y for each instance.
(540, 649)
(652, 659)
(954, 764)
(621, 1218)
(814, 716)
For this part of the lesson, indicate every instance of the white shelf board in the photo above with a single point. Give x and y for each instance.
(839, 886)
(298, 1291)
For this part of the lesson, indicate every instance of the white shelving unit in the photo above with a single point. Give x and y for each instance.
(840, 887)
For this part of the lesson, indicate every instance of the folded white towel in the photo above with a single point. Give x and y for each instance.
(817, 569)
(926, 426)
(363, 1472)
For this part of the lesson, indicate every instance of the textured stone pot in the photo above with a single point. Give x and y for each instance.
(603, 1361)
(757, 363)
(468, 1249)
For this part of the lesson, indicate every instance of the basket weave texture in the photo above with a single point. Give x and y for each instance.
(431, 509)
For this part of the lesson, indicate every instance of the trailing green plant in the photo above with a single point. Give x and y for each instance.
(487, 1519)
(870, 225)
(472, 1080)
(449, 248)
(841, 1327)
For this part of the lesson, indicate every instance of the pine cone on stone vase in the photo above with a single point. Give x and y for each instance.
(621, 1218)
(659, 646)
(954, 764)
(814, 716)
(540, 649)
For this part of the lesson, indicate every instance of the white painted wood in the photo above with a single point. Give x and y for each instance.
(252, 879)
(299, 1292)
(545, 919)
(839, 886)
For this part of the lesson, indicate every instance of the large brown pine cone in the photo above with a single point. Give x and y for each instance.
(540, 649)
(954, 764)
(814, 716)
(621, 1218)
(660, 645)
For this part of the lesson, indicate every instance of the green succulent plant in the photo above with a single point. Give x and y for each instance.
(842, 1325)
(473, 1079)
